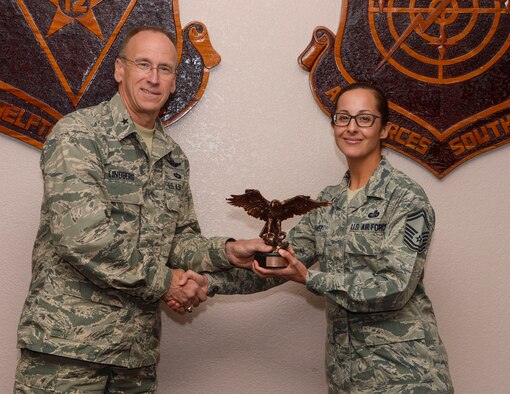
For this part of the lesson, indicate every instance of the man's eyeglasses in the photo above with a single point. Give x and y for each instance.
(362, 120)
(146, 67)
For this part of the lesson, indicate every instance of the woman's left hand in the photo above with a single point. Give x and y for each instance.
(296, 271)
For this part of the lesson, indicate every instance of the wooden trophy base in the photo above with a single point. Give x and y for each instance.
(271, 260)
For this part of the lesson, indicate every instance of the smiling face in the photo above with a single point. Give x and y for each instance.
(359, 144)
(144, 93)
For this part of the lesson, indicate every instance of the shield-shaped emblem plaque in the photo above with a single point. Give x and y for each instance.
(444, 65)
(58, 56)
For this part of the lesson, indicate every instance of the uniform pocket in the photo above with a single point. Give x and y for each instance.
(127, 191)
(169, 223)
(364, 244)
(88, 316)
(362, 253)
(125, 204)
(397, 351)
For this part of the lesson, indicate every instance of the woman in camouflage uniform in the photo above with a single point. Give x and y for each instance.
(371, 245)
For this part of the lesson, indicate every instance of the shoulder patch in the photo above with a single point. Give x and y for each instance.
(417, 232)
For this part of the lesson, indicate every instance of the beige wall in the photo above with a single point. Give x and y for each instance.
(258, 126)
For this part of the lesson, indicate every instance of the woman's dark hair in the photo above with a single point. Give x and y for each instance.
(382, 101)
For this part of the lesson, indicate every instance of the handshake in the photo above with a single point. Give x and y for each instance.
(188, 289)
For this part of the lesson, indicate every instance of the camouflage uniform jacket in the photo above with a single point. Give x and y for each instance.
(382, 334)
(111, 222)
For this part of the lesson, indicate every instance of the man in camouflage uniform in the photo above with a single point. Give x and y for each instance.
(382, 333)
(117, 209)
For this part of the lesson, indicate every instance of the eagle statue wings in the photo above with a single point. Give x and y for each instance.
(274, 212)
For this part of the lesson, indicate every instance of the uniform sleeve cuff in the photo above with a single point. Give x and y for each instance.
(212, 285)
(160, 284)
(217, 253)
(314, 282)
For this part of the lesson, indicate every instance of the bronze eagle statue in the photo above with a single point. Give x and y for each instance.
(274, 212)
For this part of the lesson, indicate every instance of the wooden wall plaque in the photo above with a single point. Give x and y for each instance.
(444, 65)
(58, 56)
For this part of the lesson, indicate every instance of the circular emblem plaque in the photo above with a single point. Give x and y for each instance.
(438, 41)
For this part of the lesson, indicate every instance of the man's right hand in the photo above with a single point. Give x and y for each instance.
(201, 280)
(184, 292)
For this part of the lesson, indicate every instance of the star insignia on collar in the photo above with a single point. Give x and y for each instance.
(125, 121)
